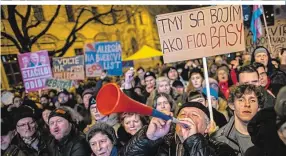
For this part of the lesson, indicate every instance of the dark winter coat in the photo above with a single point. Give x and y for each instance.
(195, 145)
(19, 148)
(72, 145)
(263, 132)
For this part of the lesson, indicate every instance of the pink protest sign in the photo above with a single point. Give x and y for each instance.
(35, 69)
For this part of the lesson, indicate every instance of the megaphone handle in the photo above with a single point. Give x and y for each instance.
(158, 114)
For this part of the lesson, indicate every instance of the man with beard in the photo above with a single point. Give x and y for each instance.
(29, 140)
(245, 101)
(67, 141)
(65, 99)
(46, 101)
(160, 139)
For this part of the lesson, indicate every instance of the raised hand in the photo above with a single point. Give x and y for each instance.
(158, 128)
(191, 130)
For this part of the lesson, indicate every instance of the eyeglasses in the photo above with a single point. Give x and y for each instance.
(30, 124)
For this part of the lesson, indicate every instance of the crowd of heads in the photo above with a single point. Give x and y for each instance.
(240, 86)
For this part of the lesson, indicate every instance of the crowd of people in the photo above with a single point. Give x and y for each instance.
(247, 98)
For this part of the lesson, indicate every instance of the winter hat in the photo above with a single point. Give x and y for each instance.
(177, 83)
(24, 111)
(88, 91)
(280, 107)
(196, 105)
(149, 74)
(61, 113)
(260, 50)
(213, 92)
(103, 128)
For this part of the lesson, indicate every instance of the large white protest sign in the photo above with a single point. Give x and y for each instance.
(201, 32)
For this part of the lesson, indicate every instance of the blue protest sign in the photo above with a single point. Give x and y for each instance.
(103, 56)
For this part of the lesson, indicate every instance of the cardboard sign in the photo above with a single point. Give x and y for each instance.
(69, 68)
(92, 68)
(59, 84)
(277, 35)
(103, 56)
(35, 68)
(201, 32)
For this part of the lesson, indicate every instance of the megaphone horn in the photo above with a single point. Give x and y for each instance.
(110, 99)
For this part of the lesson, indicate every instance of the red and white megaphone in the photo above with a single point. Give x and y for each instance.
(110, 99)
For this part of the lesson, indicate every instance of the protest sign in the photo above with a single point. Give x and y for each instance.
(103, 56)
(277, 34)
(69, 68)
(201, 32)
(92, 68)
(35, 68)
(59, 84)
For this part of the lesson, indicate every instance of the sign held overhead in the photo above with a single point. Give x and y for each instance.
(201, 32)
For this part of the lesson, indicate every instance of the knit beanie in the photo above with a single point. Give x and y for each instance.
(196, 105)
(61, 113)
(103, 128)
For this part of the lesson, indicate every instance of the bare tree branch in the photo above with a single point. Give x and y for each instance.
(93, 18)
(14, 25)
(25, 20)
(33, 25)
(9, 37)
(20, 15)
(47, 27)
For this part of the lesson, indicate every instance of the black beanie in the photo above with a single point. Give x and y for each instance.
(149, 74)
(196, 105)
(61, 113)
(23, 111)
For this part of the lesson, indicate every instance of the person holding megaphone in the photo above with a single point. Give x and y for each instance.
(158, 138)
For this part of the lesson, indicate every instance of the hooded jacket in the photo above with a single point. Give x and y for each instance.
(270, 67)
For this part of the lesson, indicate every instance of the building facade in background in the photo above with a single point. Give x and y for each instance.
(136, 28)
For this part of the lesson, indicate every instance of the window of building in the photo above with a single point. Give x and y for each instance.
(140, 18)
(114, 17)
(12, 69)
(78, 51)
(134, 45)
(70, 14)
(94, 10)
(38, 12)
(128, 15)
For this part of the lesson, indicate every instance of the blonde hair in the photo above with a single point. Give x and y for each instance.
(161, 79)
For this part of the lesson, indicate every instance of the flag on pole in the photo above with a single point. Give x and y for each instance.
(256, 25)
